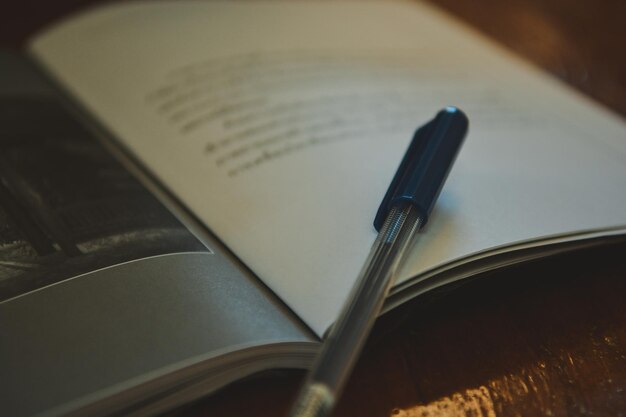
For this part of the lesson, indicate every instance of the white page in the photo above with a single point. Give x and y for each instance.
(281, 124)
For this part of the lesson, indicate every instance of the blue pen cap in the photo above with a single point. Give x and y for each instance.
(426, 164)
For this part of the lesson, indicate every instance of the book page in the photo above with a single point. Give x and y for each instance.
(281, 124)
(95, 270)
(56, 224)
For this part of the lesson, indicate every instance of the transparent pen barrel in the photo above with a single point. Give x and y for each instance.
(347, 336)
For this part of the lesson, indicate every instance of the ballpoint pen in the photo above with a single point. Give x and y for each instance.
(404, 210)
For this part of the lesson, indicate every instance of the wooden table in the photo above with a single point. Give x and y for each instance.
(546, 338)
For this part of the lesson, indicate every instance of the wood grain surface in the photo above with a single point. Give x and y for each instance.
(543, 339)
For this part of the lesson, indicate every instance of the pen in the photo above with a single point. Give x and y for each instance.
(404, 210)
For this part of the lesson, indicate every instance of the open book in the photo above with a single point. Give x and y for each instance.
(188, 188)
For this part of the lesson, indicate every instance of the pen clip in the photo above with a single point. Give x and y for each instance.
(426, 164)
